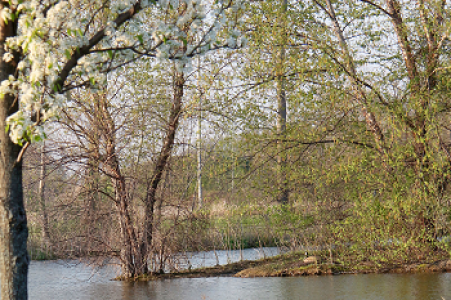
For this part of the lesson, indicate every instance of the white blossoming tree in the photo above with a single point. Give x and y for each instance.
(50, 47)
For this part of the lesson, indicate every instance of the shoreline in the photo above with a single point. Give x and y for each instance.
(297, 265)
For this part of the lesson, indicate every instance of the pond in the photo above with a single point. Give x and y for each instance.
(61, 280)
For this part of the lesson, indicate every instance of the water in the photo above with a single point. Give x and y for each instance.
(222, 257)
(69, 280)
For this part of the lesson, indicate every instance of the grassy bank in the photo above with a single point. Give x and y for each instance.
(296, 264)
(318, 263)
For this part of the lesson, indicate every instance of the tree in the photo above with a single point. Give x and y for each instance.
(23, 31)
(47, 50)
(381, 108)
(192, 38)
(368, 100)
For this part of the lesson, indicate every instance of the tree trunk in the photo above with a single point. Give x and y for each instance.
(13, 220)
(132, 260)
(162, 160)
(282, 114)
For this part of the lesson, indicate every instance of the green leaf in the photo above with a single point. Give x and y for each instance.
(67, 53)
(7, 128)
(56, 87)
(110, 53)
(140, 39)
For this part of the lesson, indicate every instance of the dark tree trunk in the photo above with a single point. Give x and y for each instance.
(13, 220)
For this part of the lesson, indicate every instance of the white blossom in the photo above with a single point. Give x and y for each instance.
(8, 57)
(231, 42)
(6, 14)
(50, 32)
(22, 64)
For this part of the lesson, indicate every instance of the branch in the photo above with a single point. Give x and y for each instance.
(377, 6)
(72, 62)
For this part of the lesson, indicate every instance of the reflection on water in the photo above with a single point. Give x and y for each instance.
(62, 280)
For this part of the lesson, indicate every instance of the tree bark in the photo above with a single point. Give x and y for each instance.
(14, 259)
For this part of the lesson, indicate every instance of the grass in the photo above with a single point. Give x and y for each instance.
(292, 264)
(38, 254)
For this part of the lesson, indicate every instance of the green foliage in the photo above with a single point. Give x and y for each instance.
(367, 143)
